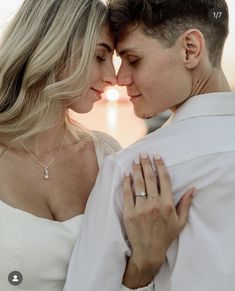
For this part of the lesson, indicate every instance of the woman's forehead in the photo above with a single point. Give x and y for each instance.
(106, 39)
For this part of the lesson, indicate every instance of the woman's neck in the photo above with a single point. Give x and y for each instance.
(42, 144)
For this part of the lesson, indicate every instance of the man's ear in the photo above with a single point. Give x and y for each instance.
(194, 46)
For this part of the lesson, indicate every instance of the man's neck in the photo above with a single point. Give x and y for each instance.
(208, 83)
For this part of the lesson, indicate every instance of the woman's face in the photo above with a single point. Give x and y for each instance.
(102, 73)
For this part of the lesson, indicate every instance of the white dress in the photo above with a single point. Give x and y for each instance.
(39, 249)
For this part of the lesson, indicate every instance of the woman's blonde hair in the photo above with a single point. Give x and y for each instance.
(45, 39)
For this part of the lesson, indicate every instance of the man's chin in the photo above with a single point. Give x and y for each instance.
(149, 116)
(144, 115)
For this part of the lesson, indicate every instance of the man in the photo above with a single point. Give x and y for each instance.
(171, 54)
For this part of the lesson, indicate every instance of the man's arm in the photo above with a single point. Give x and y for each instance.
(99, 257)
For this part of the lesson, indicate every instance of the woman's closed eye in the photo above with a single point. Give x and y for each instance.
(100, 59)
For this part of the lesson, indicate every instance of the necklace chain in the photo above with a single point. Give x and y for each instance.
(45, 167)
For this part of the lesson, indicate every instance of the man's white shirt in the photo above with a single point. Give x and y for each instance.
(198, 147)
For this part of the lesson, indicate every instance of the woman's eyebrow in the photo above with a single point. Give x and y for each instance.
(107, 47)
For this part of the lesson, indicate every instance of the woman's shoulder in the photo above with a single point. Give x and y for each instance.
(105, 142)
(105, 145)
(101, 140)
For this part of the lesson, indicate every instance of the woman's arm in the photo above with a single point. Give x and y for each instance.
(152, 222)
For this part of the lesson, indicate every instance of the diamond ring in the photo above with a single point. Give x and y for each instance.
(141, 194)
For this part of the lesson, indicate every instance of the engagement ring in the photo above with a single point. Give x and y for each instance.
(141, 194)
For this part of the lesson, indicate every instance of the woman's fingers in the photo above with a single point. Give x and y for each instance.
(182, 210)
(145, 181)
(163, 180)
(184, 205)
(139, 183)
(152, 224)
(128, 193)
(149, 177)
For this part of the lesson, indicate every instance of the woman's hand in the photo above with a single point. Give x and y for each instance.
(151, 220)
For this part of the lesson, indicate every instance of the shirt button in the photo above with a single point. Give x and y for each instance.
(15, 278)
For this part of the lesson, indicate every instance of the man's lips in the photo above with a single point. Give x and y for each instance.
(134, 98)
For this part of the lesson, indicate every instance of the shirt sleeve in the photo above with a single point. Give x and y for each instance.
(99, 257)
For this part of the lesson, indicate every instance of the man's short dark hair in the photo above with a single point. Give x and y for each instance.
(168, 19)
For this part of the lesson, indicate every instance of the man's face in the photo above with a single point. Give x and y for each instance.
(155, 76)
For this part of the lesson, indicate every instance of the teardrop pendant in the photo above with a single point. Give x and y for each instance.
(46, 173)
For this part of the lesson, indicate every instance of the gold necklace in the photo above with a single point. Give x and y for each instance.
(45, 167)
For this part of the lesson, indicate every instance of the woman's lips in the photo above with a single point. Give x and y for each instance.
(97, 92)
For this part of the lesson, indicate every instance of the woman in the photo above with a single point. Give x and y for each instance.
(56, 56)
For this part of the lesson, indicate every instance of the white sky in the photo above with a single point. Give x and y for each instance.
(8, 8)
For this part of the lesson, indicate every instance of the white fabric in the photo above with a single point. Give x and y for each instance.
(150, 287)
(38, 248)
(198, 146)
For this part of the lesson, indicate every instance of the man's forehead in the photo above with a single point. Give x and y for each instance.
(132, 41)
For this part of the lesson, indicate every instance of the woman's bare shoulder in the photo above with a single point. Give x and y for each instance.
(105, 140)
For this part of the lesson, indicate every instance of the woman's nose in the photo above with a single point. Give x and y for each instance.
(110, 77)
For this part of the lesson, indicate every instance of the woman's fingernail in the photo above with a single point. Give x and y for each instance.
(127, 173)
(194, 190)
(157, 157)
(137, 160)
(144, 155)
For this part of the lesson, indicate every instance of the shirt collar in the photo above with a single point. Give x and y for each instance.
(212, 104)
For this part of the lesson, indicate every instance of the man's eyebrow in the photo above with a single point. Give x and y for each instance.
(107, 47)
(126, 51)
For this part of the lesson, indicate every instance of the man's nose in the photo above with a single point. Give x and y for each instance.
(123, 78)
